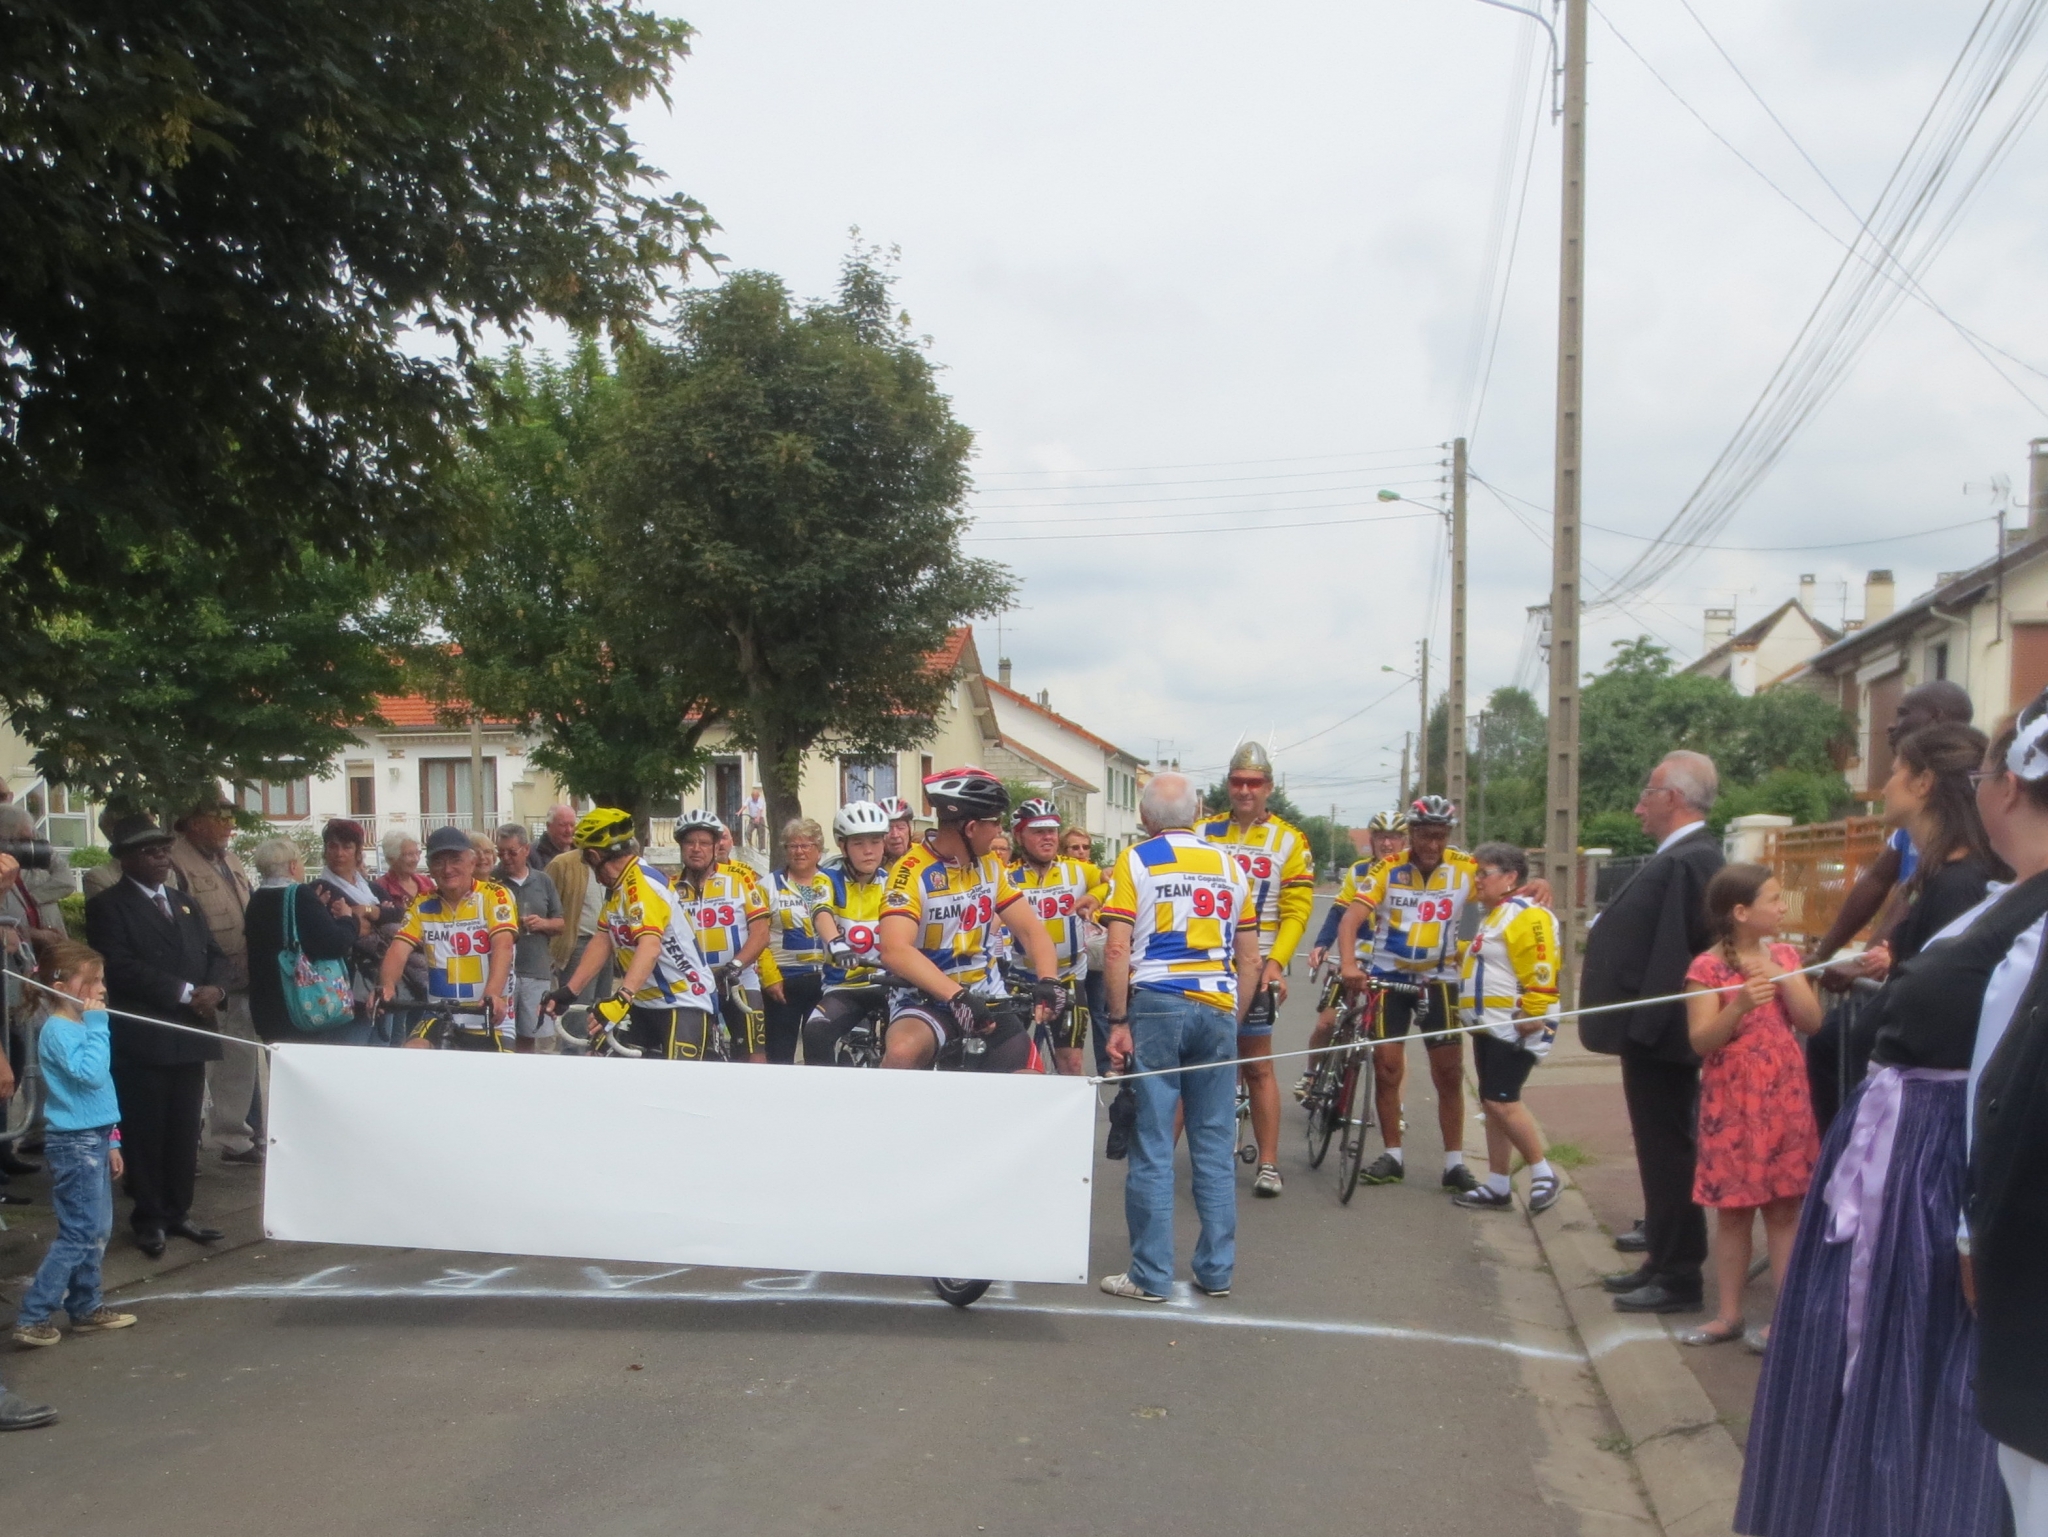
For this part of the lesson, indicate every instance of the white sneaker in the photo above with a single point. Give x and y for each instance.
(1268, 1183)
(1121, 1285)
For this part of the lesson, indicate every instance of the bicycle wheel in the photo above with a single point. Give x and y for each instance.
(1322, 1108)
(960, 1293)
(1351, 1151)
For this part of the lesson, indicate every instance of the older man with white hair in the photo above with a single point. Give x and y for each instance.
(1182, 965)
(1645, 939)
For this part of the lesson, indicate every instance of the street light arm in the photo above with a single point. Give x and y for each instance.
(1556, 49)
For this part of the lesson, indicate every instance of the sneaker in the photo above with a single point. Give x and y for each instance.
(1384, 1170)
(241, 1155)
(1212, 1291)
(1121, 1285)
(1460, 1179)
(1543, 1193)
(1268, 1182)
(37, 1336)
(1480, 1198)
(102, 1321)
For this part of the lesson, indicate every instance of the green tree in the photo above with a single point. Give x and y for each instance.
(788, 481)
(548, 623)
(1505, 788)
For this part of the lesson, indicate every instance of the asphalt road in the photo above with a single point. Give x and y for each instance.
(1392, 1367)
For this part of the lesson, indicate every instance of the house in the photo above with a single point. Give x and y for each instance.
(1767, 652)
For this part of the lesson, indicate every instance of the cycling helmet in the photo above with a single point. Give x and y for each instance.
(857, 818)
(896, 808)
(698, 822)
(603, 828)
(1388, 822)
(1433, 811)
(967, 794)
(1250, 757)
(1037, 812)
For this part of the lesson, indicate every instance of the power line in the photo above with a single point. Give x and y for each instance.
(1508, 278)
(1214, 496)
(1225, 464)
(1203, 480)
(1191, 533)
(1398, 688)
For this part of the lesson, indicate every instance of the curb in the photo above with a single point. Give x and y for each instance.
(1690, 1465)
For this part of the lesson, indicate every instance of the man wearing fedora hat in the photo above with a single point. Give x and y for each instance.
(205, 868)
(164, 963)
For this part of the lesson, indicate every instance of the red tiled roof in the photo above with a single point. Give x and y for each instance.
(946, 659)
(416, 712)
(1053, 715)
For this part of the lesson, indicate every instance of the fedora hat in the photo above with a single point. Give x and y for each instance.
(135, 832)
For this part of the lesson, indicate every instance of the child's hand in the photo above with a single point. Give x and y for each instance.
(115, 1164)
(1759, 986)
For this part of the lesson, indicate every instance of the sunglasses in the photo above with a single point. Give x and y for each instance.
(1248, 782)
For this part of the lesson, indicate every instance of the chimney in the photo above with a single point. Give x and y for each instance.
(2037, 488)
(1719, 627)
(1045, 699)
(1877, 596)
(1807, 584)
(1003, 672)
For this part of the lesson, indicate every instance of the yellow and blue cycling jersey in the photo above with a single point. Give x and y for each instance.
(1510, 970)
(1415, 916)
(792, 938)
(642, 904)
(457, 941)
(721, 907)
(1275, 858)
(1357, 877)
(954, 908)
(1055, 894)
(1183, 897)
(856, 907)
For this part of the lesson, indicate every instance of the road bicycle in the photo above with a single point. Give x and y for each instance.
(1350, 1105)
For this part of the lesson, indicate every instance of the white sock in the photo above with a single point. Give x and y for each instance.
(1453, 1161)
(1541, 1169)
(1497, 1184)
(1394, 1153)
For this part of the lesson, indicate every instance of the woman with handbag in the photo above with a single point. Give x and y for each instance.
(319, 925)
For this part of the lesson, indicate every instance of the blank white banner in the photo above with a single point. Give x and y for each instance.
(759, 1167)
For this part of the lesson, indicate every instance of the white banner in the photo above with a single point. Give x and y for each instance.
(760, 1167)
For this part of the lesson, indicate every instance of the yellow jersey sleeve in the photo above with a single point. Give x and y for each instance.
(501, 913)
(1372, 888)
(1297, 900)
(1120, 899)
(771, 974)
(413, 930)
(1531, 943)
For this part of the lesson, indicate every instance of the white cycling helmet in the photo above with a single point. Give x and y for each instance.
(860, 817)
(897, 809)
(698, 821)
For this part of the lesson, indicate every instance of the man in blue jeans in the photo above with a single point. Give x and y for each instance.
(1175, 951)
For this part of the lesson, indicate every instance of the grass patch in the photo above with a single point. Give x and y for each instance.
(1569, 1155)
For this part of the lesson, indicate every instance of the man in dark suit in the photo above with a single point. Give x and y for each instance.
(162, 961)
(1640, 948)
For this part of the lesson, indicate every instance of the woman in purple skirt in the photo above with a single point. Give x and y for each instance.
(1865, 1422)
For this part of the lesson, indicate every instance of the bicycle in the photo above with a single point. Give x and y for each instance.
(861, 1044)
(1265, 1006)
(963, 1053)
(1353, 1101)
(1333, 1079)
(442, 1031)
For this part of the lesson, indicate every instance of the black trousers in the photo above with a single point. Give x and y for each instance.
(1663, 1106)
(786, 1019)
(160, 1114)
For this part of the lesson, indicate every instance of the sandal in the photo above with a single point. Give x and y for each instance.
(1714, 1333)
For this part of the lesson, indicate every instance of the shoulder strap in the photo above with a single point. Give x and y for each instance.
(291, 917)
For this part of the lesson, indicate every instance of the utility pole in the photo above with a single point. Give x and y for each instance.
(1454, 735)
(1405, 796)
(476, 771)
(1561, 822)
(1422, 737)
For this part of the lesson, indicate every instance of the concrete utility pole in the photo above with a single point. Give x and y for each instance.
(1405, 796)
(476, 772)
(1561, 823)
(1422, 740)
(1454, 738)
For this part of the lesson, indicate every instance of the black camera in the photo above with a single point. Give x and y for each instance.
(31, 853)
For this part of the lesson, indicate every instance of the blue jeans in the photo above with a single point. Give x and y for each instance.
(1171, 1030)
(1096, 988)
(82, 1190)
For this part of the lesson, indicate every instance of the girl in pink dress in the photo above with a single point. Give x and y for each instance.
(1757, 1140)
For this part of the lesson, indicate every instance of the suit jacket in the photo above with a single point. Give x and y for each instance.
(1641, 947)
(149, 960)
(2007, 1206)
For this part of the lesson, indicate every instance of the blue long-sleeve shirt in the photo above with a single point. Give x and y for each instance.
(1331, 919)
(78, 1080)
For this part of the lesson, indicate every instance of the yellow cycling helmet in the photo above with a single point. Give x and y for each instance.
(603, 828)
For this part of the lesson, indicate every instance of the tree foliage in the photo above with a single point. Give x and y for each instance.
(1505, 788)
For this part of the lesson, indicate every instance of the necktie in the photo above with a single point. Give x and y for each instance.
(163, 905)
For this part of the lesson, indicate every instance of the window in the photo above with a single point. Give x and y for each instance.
(444, 789)
(866, 781)
(924, 772)
(287, 802)
(1937, 660)
(362, 790)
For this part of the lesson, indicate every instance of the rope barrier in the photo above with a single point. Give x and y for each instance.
(1429, 1035)
(144, 1019)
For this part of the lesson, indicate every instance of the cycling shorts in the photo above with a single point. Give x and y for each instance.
(1503, 1068)
(836, 1014)
(464, 1032)
(744, 1022)
(1008, 1048)
(1401, 1012)
(669, 1035)
(1070, 1030)
(477, 1040)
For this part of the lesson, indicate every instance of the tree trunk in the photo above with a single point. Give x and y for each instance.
(782, 763)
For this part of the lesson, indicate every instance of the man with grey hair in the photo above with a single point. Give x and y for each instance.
(558, 838)
(1646, 938)
(1182, 965)
(540, 920)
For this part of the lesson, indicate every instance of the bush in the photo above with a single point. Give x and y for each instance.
(1616, 830)
(73, 909)
(91, 857)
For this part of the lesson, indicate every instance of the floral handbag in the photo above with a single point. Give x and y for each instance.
(316, 993)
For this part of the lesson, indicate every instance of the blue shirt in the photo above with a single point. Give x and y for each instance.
(1909, 857)
(78, 1083)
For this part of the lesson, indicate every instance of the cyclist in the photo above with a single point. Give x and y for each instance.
(1414, 902)
(941, 900)
(665, 1004)
(1076, 844)
(1510, 986)
(846, 912)
(901, 829)
(730, 913)
(466, 928)
(1386, 835)
(1065, 894)
(794, 951)
(1273, 853)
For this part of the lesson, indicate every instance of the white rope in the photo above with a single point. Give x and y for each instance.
(1429, 1035)
(144, 1019)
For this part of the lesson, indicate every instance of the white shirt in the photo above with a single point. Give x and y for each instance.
(1684, 832)
(2002, 995)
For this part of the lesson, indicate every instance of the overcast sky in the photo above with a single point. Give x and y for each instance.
(1189, 267)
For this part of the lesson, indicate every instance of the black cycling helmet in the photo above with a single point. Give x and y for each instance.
(967, 795)
(1433, 811)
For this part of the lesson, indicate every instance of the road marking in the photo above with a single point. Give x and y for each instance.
(803, 1288)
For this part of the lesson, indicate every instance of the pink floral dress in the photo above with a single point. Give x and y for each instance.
(1757, 1139)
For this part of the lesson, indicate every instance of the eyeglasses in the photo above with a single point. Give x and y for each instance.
(1659, 790)
(1978, 776)
(1248, 781)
